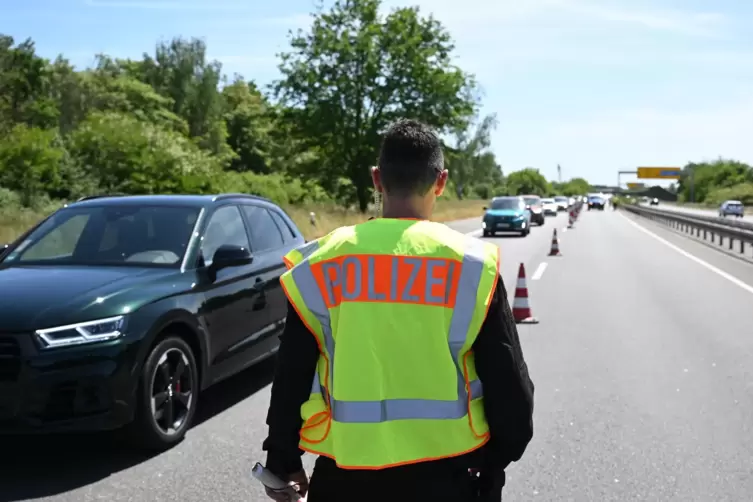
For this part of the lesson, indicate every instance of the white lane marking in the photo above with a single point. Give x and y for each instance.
(539, 271)
(474, 233)
(721, 273)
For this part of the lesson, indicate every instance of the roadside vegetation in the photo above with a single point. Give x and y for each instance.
(711, 183)
(173, 122)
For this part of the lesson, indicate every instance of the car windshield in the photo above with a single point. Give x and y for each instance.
(532, 201)
(734, 204)
(511, 203)
(547, 201)
(595, 199)
(561, 199)
(109, 235)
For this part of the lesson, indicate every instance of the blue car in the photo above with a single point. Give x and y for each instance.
(506, 214)
(731, 207)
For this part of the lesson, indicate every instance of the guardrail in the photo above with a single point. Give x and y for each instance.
(717, 231)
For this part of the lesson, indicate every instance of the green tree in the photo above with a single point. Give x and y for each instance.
(30, 159)
(249, 124)
(575, 186)
(126, 155)
(180, 71)
(356, 71)
(699, 179)
(528, 181)
(24, 87)
(469, 162)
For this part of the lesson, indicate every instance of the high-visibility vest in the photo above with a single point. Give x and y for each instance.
(395, 306)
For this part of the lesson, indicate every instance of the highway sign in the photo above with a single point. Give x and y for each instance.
(636, 185)
(659, 173)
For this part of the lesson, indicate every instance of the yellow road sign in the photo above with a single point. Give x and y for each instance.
(659, 173)
(636, 185)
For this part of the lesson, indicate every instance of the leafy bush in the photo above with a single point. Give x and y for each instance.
(742, 192)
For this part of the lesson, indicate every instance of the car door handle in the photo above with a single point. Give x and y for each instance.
(259, 284)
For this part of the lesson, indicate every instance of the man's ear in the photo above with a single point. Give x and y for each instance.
(376, 178)
(441, 183)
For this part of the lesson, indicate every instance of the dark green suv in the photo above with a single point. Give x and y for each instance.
(117, 311)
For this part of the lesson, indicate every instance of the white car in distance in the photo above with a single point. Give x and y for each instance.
(562, 202)
(549, 206)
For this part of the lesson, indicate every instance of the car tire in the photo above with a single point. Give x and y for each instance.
(162, 384)
(485, 233)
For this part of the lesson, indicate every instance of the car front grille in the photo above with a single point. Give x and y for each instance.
(10, 359)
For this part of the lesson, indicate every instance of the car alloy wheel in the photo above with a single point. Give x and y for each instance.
(172, 391)
(168, 395)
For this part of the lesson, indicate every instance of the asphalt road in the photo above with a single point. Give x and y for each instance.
(698, 211)
(642, 371)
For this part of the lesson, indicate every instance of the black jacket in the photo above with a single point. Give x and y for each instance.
(508, 396)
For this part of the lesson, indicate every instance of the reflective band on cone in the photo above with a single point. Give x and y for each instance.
(521, 308)
(555, 251)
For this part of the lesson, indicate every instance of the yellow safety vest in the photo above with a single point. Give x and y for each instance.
(395, 306)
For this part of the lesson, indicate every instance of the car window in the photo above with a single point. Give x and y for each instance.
(111, 234)
(507, 204)
(225, 227)
(59, 242)
(265, 235)
(287, 232)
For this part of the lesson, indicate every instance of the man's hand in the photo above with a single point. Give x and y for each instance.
(300, 483)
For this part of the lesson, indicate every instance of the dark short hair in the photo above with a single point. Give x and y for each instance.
(410, 158)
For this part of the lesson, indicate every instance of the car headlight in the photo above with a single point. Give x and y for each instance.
(81, 333)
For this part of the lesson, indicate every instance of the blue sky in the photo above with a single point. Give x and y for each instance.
(594, 85)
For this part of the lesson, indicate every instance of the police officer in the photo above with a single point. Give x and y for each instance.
(400, 364)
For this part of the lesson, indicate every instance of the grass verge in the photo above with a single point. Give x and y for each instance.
(14, 222)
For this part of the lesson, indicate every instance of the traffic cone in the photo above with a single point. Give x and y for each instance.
(555, 251)
(521, 309)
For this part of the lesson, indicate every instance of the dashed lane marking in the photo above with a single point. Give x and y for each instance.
(539, 271)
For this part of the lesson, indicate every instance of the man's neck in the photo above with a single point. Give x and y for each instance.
(404, 209)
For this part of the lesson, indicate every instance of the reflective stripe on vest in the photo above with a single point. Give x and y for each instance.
(301, 253)
(396, 409)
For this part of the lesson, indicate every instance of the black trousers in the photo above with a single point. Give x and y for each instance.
(441, 484)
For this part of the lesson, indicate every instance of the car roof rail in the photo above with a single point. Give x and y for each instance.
(99, 196)
(223, 196)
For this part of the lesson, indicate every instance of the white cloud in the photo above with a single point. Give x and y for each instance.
(183, 5)
(685, 22)
(293, 22)
(471, 15)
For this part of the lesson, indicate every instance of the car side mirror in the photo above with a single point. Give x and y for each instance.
(229, 255)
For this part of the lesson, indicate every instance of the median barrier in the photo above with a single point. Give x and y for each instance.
(737, 236)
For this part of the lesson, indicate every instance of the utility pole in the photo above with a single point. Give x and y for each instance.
(559, 174)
